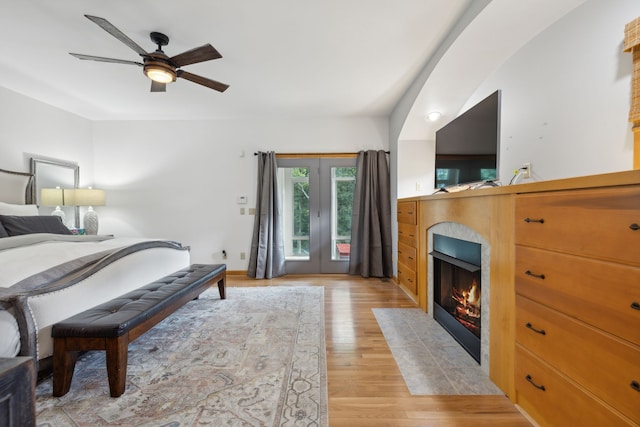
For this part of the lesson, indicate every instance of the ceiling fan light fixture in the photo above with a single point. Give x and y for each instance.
(160, 73)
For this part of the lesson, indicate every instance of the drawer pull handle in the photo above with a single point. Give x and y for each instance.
(635, 305)
(537, 276)
(541, 220)
(411, 235)
(410, 257)
(538, 331)
(634, 227)
(539, 387)
(635, 385)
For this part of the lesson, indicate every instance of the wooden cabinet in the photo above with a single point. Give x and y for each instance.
(577, 283)
(17, 392)
(587, 246)
(408, 249)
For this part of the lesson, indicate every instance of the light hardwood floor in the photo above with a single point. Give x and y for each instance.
(366, 387)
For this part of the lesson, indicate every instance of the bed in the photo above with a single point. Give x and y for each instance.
(48, 274)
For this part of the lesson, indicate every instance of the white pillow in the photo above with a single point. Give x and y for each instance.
(10, 338)
(18, 210)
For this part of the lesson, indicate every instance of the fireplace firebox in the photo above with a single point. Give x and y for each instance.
(456, 291)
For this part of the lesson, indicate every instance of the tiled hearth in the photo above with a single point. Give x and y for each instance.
(430, 360)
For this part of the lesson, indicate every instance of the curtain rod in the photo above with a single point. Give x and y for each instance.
(316, 154)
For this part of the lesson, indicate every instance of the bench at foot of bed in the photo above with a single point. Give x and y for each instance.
(113, 325)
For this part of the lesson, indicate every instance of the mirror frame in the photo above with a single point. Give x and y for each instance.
(37, 163)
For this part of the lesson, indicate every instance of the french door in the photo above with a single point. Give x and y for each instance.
(317, 199)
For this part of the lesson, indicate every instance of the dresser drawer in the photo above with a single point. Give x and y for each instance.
(408, 234)
(603, 364)
(600, 223)
(553, 400)
(407, 255)
(603, 294)
(407, 212)
(407, 278)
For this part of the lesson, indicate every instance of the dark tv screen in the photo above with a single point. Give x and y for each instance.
(468, 147)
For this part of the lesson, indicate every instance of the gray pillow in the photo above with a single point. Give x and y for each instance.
(19, 225)
(3, 232)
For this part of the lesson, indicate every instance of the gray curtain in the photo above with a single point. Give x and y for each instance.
(267, 245)
(371, 247)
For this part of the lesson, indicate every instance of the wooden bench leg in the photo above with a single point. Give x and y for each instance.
(117, 358)
(221, 287)
(64, 362)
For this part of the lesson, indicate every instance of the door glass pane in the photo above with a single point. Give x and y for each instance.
(295, 207)
(343, 181)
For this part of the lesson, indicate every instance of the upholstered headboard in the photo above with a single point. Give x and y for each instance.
(15, 187)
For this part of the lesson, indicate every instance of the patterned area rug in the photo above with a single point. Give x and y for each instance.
(254, 359)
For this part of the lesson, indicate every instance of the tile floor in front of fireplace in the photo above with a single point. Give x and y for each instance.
(431, 361)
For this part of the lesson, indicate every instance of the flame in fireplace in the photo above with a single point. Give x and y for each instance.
(471, 296)
(467, 304)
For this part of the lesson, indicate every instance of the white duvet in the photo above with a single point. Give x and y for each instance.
(42, 251)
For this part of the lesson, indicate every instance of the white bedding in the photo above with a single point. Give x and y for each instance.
(42, 252)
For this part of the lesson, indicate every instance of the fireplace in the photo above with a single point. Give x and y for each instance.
(457, 290)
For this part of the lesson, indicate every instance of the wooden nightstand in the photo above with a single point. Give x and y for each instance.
(17, 392)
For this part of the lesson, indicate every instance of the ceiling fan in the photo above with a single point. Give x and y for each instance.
(160, 68)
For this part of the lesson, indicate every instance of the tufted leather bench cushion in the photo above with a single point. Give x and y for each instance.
(113, 325)
(120, 315)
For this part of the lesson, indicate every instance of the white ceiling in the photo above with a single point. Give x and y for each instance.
(280, 57)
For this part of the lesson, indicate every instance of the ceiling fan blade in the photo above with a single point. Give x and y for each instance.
(220, 87)
(195, 55)
(111, 29)
(158, 87)
(103, 59)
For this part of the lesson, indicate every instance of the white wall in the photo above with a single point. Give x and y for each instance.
(565, 100)
(32, 128)
(565, 106)
(176, 180)
(565, 96)
(180, 180)
(415, 166)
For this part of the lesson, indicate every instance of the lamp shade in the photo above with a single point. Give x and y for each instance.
(51, 197)
(160, 72)
(84, 197)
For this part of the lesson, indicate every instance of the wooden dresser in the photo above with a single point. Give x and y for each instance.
(577, 283)
(408, 247)
(588, 303)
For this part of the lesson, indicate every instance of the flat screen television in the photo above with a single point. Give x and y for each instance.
(468, 147)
